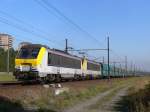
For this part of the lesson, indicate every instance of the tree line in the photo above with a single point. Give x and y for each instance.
(4, 59)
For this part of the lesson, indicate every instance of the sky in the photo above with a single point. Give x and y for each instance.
(126, 22)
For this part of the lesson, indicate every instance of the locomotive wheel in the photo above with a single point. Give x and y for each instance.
(43, 80)
(76, 77)
(83, 78)
(57, 78)
(51, 77)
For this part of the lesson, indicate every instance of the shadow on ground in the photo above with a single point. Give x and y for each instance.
(7, 105)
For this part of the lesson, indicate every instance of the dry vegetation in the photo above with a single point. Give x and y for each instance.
(42, 99)
(138, 98)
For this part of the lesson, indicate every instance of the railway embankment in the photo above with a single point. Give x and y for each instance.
(39, 98)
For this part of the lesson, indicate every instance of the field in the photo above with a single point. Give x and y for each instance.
(7, 77)
(39, 98)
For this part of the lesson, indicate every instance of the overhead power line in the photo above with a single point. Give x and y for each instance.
(21, 39)
(19, 27)
(31, 27)
(46, 5)
(86, 49)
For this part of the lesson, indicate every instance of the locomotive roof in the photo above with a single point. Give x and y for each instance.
(32, 45)
(59, 51)
(94, 62)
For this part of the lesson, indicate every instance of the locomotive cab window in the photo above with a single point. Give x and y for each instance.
(28, 52)
(34, 53)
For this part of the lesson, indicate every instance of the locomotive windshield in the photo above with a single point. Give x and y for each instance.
(28, 52)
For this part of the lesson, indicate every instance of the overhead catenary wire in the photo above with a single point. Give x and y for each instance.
(19, 27)
(21, 39)
(39, 35)
(32, 30)
(47, 5)
(30, 26)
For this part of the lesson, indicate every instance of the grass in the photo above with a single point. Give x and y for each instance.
(46, 101)
(7, 105)
(138, 98)
(65, 99)
(136, 87)
(7, 77)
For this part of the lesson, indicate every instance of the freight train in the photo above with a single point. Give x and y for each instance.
(39, 62)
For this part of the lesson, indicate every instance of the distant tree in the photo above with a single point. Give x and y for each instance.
(3, 59)
(12, 54)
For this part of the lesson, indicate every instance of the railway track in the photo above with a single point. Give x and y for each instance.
(10, 82)
(2, 83)
(34, 82)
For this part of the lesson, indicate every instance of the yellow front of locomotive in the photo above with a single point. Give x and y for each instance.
(28, 61)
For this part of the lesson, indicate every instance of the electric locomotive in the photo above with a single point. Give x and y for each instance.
(39, 62)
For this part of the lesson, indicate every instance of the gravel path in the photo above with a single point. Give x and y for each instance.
(109, 105)
(106, 107)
